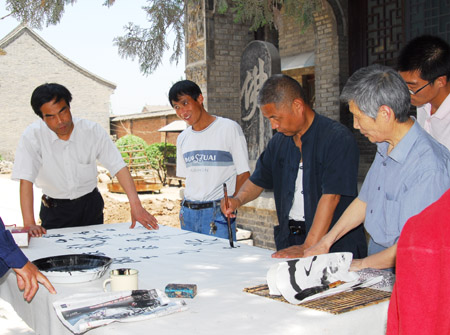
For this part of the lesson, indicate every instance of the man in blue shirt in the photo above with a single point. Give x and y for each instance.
(410, 170)
(311, 164)
(27, 273)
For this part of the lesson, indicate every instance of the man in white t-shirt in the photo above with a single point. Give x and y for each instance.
(424, 64)
(59, 154)
(210, 153)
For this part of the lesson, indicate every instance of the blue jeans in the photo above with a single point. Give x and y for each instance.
(208, 221)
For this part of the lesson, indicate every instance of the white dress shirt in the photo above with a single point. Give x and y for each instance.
(438, 124)
(65, 169)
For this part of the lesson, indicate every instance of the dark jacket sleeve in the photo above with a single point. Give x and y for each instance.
(263, 174)
(10, 254)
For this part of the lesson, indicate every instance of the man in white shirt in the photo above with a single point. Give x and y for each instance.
(424, 64)
(59, 154)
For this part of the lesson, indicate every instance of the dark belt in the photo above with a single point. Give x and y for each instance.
(196, 205)
(52, 202)
(297, 227)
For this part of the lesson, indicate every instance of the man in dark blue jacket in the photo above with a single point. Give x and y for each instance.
(311, 164)
(28, 276)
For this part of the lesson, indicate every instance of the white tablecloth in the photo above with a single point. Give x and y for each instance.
(171, 255)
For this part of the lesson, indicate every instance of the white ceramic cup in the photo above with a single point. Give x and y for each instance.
(122, 280)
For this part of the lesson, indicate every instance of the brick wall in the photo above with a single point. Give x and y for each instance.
(260, 222)
(327, 65)
(322, 38)
(226, 41)
(292, 40)
(145, 126)
(28, 63)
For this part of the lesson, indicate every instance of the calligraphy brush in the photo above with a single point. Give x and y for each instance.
(230, 234)
(303, 294)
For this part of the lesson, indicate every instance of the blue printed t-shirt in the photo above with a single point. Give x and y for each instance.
(211, 157)
(330, 166)
(403, 183)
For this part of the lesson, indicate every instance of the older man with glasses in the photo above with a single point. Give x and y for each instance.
(410, 171)
(424, 64)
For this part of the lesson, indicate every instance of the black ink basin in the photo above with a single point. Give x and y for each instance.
(74, 268)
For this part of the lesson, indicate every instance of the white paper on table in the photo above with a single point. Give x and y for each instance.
(291, 277)
(82, 312)
(272, 280)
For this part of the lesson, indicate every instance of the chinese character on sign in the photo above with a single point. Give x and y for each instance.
(250, 88)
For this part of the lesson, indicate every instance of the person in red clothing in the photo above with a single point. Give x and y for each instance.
(420, 301)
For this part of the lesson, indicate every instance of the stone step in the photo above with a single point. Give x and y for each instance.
(243, 234)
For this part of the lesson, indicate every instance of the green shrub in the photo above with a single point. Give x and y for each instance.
(158, 154)
(128, 146)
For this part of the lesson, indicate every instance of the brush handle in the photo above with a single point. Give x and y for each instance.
(311, 291)
(303, 294)
(230, 233)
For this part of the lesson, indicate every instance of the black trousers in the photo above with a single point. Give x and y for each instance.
(84, 211)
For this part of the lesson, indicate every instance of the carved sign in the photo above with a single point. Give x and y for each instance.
(259, 61)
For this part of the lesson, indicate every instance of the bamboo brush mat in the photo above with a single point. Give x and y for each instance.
(334, 304)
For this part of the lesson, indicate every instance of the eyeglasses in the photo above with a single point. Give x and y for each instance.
(420, 89)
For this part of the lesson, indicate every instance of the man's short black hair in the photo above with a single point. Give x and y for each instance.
(280, 89)
(49, 92)
(430, 55)
(184, 87)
